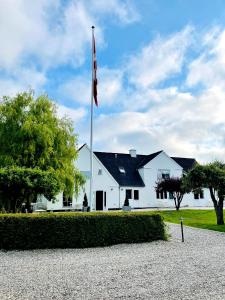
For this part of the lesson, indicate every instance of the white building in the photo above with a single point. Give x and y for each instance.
(116, 175)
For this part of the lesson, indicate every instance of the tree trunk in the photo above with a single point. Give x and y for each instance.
(177, 200)
(218, 206)
(219, 212)
(177, 204)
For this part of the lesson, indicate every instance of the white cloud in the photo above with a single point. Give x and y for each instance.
(52, 32)
(24, 32)
(38, 36)
(159, 60)
(124, 10)
(21, 80)
(77, 89)
(110, 87)
(29, 32)
(182, 123)
(9, 87)
(209, 68)
(76, 115)
(186, 125)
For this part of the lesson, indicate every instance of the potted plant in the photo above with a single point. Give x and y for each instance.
(126, 206)
(85, 204)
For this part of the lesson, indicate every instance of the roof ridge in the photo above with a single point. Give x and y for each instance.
(82, 146)
(127, 153)
(155, 153)
(119, 153)
(183, 157)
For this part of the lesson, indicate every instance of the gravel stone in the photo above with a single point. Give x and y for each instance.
(167, 270)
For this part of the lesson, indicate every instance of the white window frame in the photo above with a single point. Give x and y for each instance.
(131, 193)
(162, 172)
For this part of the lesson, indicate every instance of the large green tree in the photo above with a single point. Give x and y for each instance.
(32, 135)
(23, 185)
(211, 176)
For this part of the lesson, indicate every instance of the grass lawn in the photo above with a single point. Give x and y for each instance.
(196, 218)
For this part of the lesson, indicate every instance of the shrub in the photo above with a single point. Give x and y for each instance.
(78, 230)
(85, 202)
(18, 185)
(126, 202)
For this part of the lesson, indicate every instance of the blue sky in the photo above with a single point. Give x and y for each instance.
(161, 69)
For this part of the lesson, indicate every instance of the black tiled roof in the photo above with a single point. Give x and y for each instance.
(185, 163)
(147, 158)
(113, 161)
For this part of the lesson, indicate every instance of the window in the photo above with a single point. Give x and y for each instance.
(163, 174)
(199, 195)
(129, 194)
(161, 195)
(136, 194)
(99, 171)
(122, 170)
(170, 195)
(196, 195)
(157, 194)
(67, 201)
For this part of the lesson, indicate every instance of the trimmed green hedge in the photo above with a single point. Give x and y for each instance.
(78, 230)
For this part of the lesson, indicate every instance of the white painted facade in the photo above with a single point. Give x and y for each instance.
(112, 195)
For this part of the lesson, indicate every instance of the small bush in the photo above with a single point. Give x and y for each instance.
(78, 230)
(85, 202)
(126, 202)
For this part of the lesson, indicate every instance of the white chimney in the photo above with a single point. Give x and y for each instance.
(132, 152)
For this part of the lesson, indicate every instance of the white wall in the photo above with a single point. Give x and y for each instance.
(115, 195)
(150, 173)
(104, 182)
(189, 200)
(133, 203)
(57, 205)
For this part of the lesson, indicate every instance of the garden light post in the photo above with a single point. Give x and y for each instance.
(182, 229)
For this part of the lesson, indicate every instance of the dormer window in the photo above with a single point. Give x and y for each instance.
(122, 170)
(163, 174)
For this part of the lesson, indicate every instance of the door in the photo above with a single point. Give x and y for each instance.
(99, 200)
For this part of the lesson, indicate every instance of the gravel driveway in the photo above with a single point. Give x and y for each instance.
(159, 270)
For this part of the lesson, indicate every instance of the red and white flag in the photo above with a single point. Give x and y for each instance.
(95, 82)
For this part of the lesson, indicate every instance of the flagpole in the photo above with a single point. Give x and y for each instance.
(91, 133)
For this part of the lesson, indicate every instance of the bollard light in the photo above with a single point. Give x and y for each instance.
(182, 230)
